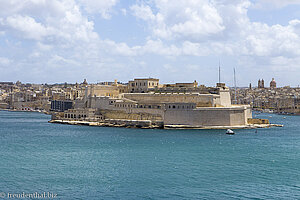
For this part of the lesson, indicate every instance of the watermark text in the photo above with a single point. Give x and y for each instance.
(24, 195)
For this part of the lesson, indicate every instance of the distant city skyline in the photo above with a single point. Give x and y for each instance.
(61, 41)
(84, 81)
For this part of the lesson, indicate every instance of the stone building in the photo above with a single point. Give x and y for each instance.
(200, 108)
(102, 90)
(273, 83)
(61, 106)
(142, 85)
(88, 114)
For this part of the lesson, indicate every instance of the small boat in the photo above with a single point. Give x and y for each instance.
(230, 132)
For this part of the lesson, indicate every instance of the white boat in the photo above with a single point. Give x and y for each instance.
(230, 132)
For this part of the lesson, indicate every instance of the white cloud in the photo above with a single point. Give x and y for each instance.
(216, 27)
(267, 4)
(47, 35)
(4, 61)
(144, 12)
(220, 28)
(283, 64)
(118, 48)
(24, 26)
(174, 20)
(104, 7)
(44, 35)
(53, 21)
(44, 47)
(124, 11)
(264, 40)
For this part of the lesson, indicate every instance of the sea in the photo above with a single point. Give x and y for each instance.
(55, 161)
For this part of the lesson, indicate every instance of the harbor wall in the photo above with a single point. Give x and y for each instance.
(232, 116)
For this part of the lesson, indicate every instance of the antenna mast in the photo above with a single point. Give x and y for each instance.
(219, 72)
(235, 101)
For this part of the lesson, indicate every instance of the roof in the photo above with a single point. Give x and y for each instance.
(147, 79)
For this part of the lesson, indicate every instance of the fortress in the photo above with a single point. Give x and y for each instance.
(146, 103)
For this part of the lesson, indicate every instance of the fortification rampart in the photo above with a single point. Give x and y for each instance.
(230, 116)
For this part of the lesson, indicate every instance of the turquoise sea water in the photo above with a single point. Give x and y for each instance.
(81, 162)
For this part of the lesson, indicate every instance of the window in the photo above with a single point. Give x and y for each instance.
(174, 106)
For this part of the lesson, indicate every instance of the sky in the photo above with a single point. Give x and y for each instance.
(57, 41)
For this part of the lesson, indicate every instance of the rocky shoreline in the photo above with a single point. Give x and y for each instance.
(146, 124)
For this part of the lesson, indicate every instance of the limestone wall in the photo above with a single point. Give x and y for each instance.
(100, 102)
(248, 112)
(258, 121)
(224, 100)
(201, 99)
(102, 90)
(132, 115)
(32, 104)
(79, 103)
(206, 117)
(238, 117)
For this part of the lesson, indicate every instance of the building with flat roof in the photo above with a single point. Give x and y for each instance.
(61, 106)
(142, 85)
(203, 107)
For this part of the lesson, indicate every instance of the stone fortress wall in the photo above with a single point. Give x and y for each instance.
(188, 109)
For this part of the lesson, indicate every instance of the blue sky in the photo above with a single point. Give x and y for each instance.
(176, 41)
